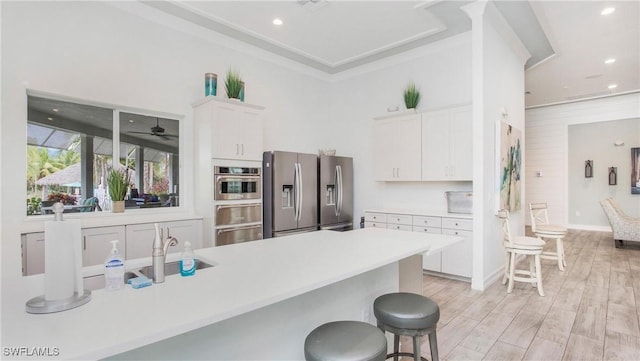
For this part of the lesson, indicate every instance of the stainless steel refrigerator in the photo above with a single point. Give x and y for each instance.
(335, 196)
(290, 183)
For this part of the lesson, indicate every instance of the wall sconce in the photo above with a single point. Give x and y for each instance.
(588, 169)
(613, 176)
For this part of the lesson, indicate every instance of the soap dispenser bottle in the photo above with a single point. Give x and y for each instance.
(187, 261)
(114, 269)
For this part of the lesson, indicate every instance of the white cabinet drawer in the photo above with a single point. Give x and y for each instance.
(400, 219)
(399, 227)
(435, 230)
(375, 217)
(424, 221)
(375, 225)
(459, 233)
(457, 223)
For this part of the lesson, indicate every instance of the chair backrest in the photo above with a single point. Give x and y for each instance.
(539, 215)
(611, 212)
(616, 207)
(503, 214)
(93, 202)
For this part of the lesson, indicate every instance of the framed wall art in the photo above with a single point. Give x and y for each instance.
(510, 164)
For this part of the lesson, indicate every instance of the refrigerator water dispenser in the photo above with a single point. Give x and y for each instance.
(287, 196)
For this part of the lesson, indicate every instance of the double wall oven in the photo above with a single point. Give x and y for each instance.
(238, 204)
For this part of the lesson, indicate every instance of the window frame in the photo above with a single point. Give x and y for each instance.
(117, 109)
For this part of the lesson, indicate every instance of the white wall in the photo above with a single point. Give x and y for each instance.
(595, 141)
(99, 52)
(442, 71)
(547, 148)
(498, 85)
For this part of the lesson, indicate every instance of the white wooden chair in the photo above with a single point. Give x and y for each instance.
(530, 247)
(542, 229)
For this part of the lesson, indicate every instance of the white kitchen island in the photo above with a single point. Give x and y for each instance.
(259, 301)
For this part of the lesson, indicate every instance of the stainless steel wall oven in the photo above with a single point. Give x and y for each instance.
(237, 202)
(237, 183)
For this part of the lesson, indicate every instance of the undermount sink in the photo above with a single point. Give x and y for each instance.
(170, 268)
(97, 282)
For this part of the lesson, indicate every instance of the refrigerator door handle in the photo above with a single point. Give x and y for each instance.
(339, 185)
(296, 193)
(301, 192)
(336, 182)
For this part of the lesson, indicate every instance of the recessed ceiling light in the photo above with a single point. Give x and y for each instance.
(130, 120)
(50, 118)
(277, 21)
(55, 110)
(610, 61)
(607, 11)
(612, 86)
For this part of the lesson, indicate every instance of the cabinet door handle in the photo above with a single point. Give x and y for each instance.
(237, 149)
(84, 243)
(398, 172)
(242, 147)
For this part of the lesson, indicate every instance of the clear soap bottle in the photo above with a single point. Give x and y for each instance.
(114, 269)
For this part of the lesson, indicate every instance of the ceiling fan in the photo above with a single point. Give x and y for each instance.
(157, 131)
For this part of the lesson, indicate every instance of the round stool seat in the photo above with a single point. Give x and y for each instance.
(550, 228)
(406, 311)
(345, 341)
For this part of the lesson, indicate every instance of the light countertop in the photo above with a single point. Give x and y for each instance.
(421, 212)
(246, 277)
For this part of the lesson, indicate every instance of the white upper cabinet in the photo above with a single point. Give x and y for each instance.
(235, 128)
(397, 147)
(447, 144)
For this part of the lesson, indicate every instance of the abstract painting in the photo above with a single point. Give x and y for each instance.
(510, 166)
(635, 170)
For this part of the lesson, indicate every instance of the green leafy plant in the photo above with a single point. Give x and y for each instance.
(411, 96)
(33, 205)
(118, 182)
(233, 84)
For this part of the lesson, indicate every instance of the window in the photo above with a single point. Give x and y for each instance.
(70, 151)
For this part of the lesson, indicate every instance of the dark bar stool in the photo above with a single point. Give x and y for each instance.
(345, 341)
(408, 314)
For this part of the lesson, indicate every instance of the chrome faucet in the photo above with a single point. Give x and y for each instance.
(159, 254)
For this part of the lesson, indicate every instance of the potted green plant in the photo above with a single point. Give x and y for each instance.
(411, 96)
(118, 181)
(233, 85)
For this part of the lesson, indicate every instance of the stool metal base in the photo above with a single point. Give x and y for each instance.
(415, 335)
(408, 354)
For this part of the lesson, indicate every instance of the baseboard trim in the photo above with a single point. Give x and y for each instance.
(586, 227)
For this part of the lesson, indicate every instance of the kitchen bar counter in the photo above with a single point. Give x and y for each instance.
(250, 284)
(421, 212)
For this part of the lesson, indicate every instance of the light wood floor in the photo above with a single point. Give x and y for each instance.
(590, 311)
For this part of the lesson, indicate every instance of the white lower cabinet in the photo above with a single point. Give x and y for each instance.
(136, 241)
(96, 244)
(458, 259)
(454, 260)
(140, 236)
(32, 253)
(400, 222)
